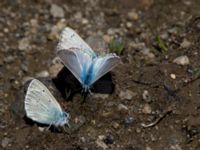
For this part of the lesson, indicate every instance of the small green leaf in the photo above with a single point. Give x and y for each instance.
(116, 46)
(196, 72)
(161, 44)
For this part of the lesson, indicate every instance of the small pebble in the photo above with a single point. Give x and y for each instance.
(102, 96)
(107, 38)
(129, 120)
(23, 44)
(181, 60)
(148, 148)
(100, 143)
(115, 125)
(133, 16)
(146, 96)
(129, 25)
(122, 107)
(185, 43)
(109, 139)
(41, 129)
(54, 69)
(85, 21)
(5, 142)
(147, 109)
(138, 130)
(43, 73)
(127, 94)
(173, 76)
(57, 11)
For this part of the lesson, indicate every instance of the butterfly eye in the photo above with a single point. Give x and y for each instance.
(67, 115)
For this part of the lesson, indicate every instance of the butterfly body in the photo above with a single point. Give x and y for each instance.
(81, 60)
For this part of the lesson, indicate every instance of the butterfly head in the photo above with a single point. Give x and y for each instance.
(63, 120)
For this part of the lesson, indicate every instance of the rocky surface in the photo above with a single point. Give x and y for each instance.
(155, 104)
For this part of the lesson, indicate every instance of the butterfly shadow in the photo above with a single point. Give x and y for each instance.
(68, 85)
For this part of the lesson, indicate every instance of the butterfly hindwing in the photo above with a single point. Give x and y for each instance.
(40, 105)
(76, 61)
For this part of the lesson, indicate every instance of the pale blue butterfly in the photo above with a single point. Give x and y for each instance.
(42, 107)
(81, 60)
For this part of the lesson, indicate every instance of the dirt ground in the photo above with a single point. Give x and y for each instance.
(156, 102)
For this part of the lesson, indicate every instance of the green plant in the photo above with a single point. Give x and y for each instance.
(161, 44)
(196, 72)
(116, 46)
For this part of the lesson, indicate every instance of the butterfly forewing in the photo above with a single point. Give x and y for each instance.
(40, 105)
(70, 39)
(102, 65)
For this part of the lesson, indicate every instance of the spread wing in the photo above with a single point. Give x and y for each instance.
(76, 61)
(102, 65)
(70, 39)
(40, 105)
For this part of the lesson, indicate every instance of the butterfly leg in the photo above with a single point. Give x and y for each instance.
(84, 96)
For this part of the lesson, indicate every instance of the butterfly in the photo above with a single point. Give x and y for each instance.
(42, 107)
(82, 61)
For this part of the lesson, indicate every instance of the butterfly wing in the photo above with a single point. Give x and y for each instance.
(102, 65)
(76, 61)
(40, 105)
(70, 39)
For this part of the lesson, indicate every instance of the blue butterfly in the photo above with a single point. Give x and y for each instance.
(82, 61)
(42, 107)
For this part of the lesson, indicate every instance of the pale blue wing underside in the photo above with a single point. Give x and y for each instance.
(102, 65)
(40, 105)
(76, 61)
(70, 39)
(80, 59)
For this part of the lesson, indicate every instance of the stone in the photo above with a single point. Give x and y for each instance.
(146, 96)
(185, 43)
(182, 60)
(115, 125)
(109, 139)
(100, 142)
(84, 21)
(173, 76)
(102, 96)
(41, 129)
(107, 38)
(147, 109)
(129, 120)
(56, 29)
(26, 79)
(43, 74)
(127, 94)
(5, 142)
(57, 11)
(24, 44)
(54, 69)
(122, 107)
(129, 25)
(97, 43)
(9, 59)
(132, 16)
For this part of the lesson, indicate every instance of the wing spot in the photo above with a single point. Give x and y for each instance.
(72, 35)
